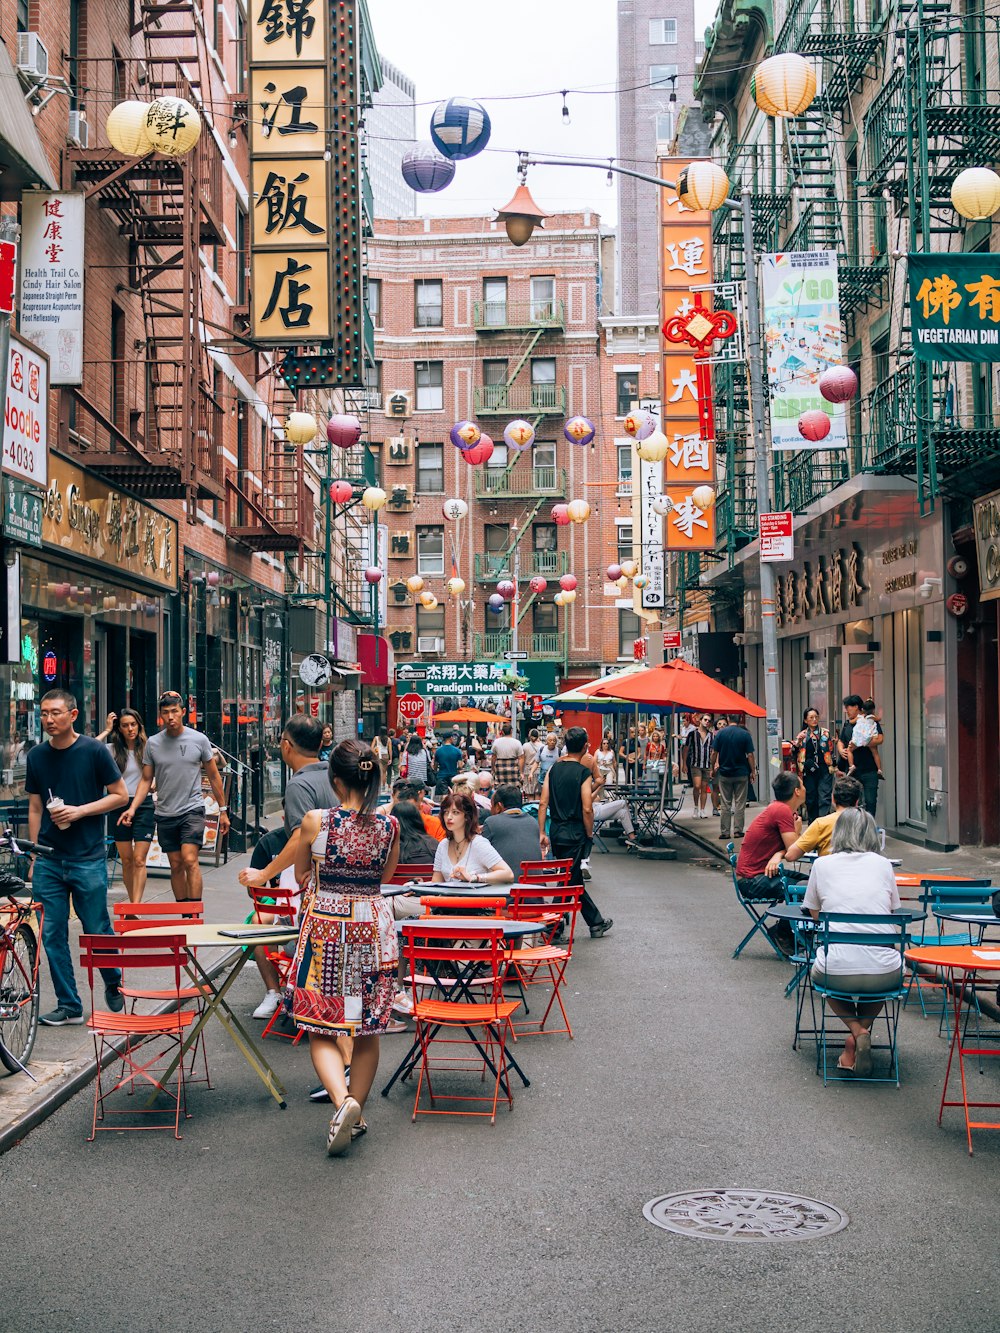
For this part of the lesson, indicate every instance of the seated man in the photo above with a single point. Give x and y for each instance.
(775, 829)
(513, 833)
(848, 794)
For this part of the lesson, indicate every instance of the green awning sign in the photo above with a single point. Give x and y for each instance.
(22, 514)
(955, 307)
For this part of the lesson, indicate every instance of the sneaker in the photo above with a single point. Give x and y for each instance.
(320, 1094)
(585, 865)
(268, 1005)
(601, 928)
(60, 1018)
(338, 1140)
(402, 1003)
(114, 999)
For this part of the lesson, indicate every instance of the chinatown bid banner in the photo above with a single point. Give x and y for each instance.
(955, 307)
(802, 335)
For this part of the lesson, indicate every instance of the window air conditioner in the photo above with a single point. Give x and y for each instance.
(427, 645)
(398, 405)
(32, 57)
(79, 132)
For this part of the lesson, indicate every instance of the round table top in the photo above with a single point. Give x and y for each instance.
(961, 957)
(456, 890)
(913, 879)
(455, 925)
(796, 912)
(968, 918)
(202, 935)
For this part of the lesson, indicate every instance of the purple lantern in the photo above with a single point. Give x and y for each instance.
(579, 430)
(537, 584)
(838, 384)
(505, 589)
(373, 574)
(464, 434)
(519, 435)
(343, 431)
(426, 170)
(814, 425)
(640, 425)
(495, 602)
(614, 573)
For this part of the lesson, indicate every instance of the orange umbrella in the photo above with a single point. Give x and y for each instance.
(679, 686)
(467, 715)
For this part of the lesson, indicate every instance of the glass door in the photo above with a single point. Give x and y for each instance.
(911, 744)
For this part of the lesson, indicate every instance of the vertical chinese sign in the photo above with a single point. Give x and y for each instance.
(685, 262)
(305, 227)
(51, 308)
(647, 523)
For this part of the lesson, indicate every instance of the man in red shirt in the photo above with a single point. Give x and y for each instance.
(775, 829)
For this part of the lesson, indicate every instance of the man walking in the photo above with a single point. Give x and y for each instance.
(507, 759)
(448, 760)
(567, 796)
(177, 757)
(865, 765)
(72, 782)
(734, 764)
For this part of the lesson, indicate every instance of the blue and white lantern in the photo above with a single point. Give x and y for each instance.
(425, 170)
(460, 128)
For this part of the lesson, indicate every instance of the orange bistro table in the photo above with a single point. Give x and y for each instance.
(967, 961)
(913, 879)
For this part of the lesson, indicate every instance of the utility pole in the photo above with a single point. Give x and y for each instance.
(515, 608)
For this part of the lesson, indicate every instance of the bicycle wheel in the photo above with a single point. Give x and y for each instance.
(18, 993)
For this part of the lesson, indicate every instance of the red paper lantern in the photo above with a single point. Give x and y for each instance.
(341, 492)
(838, 384)
(506, 588)
(479, 453)
(560, 515)
(814, 425)
(343, 431)
(568, 582)
(614, 573)
(373, 574)
(537, 584)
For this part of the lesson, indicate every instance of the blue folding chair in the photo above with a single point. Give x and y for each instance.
(967, 895)
(751, 905)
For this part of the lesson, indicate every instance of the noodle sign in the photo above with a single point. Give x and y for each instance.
(25, 427)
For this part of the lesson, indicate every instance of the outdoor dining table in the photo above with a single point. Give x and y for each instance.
(981, 921)
(244, 938)
(967, 960)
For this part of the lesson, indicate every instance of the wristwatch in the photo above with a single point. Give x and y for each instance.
(223, 809)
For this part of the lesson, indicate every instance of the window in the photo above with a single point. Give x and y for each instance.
(544, 394)
(499, 619)
(215, 30)
(242, 295)
(544, 466)
(625, 458)
(495, 372)
(373, 384)
(430, 386)
(375, 301)
(624, 542)
(495, 385)
(240, 82)
(663, 32)
(118, 366)
(495, 302)
(428, 299)
(626, 391)
(663, 76)
(545, 537)
(496, 539)
(430, 624)
(664, 127)
(23, 19)
(430, 468)
(430, 551)
(629, 629)
(498, 458)
(544, 617)
(543, 298)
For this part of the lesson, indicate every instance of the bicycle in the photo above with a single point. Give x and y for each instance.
(19, 958)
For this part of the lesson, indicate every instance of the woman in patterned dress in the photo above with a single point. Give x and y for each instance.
(343, 977)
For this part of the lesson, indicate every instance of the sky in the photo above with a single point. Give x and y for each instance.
(490, 52)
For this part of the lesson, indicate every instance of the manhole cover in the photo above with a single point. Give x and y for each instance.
(744, 1215)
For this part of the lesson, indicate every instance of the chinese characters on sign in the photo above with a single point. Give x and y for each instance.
(955, 307)
(648, 480)
(827, 585)
(25, 427)
(472, 684)
(51, 304)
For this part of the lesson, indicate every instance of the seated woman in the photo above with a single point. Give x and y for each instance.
(465, 854)
(857, 878)
(416, 846)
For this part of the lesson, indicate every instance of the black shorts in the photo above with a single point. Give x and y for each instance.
(188, 827)
(141, 828)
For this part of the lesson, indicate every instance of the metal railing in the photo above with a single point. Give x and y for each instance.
(544, 646)
(519, 482)
(489, 316)
(499, 399)
(491, 566)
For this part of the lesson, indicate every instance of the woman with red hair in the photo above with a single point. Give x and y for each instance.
(465, 854)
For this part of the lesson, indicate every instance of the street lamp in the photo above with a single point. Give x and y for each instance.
(521, 216)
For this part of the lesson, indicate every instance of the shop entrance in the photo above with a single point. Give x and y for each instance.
(125, 672)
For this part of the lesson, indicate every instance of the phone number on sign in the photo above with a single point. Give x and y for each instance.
(20, 456)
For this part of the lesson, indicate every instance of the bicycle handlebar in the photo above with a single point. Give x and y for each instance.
(9, 840)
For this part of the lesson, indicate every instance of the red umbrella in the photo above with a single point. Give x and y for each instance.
(677, 685)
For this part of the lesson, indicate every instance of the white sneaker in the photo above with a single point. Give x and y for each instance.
(585, 865)
(268, 1005)
(402, 1003)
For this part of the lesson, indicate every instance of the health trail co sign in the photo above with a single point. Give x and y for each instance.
(955, 307)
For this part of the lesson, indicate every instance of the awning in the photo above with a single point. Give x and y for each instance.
(22, 157)
(375, 654)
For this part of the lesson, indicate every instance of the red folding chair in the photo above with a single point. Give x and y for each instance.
(544, 964)
(554, 874)
(270, 905)
(138, 1030)
(407, 874)
(485, 1022)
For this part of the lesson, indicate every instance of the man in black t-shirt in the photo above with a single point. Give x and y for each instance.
(567, 798)
(734, 762)
(865, 767)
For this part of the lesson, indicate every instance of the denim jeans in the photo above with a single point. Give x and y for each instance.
(573, 851)
(53, 883)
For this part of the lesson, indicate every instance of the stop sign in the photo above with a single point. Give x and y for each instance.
(410, 706)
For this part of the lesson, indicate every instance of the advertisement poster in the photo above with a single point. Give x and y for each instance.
(50, 313)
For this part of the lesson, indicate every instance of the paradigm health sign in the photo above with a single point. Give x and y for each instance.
(955, 307)
(802, 334)
(50, 312)
(25, 427)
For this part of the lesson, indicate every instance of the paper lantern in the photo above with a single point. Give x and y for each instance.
(537, 584)
(560, 599)
(373, 574)
(560, 515)
(300, 427)
(212, 578)
(568, 582)
(428, 601)
(425, 170)
(173, 126)
(479, 453)
(654, 448)
(568, 596)
(578, 511)
(640, 581)
(622, 583)
(838, 384)
(415, 583)
(126, 128)
(975, 193)
(519, 435)
(374, 498)
(703, 186)
(814, 425)
(640, 425)
(704, 496)
(784, 85)
(456, 587)
(460, 128)
(579, 430)
(629, 569)
(495, 602)
(343, 431)
(464, 434)
(614, 573)
(454, 509)
(341, 492)
(661, 504)
(506, 589)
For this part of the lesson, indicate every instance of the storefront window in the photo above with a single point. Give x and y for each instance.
(916, 736)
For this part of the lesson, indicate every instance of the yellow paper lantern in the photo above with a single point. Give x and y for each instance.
(621, 584)
(300, 427)
(975, 193)
(428, 601)
(456, 587)
(415, 583)
(784, 85)
(703, 186)
(374, 498)
(654, 448)
(173, 126)
(126, 127)
(568, 596)
(578, 511)
(703, 497)
(629, 569)
(560, 599)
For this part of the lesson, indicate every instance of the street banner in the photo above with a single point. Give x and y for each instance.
(955, 307)
(50, 313)
(776, 542)
(802, 335)
(647, 487)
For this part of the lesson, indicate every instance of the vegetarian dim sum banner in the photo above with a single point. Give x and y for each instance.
(955, 307)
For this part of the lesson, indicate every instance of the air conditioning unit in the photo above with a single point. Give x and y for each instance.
(398, 405)
(430, 645)
(32, 58)
(79, 132)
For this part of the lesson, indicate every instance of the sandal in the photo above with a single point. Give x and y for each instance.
(840, 1065)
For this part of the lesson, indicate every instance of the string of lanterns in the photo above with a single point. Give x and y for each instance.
(460, 128)
(168, 125)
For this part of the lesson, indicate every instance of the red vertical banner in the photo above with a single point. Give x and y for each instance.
(8, 271)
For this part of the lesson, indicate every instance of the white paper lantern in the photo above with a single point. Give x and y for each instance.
(173, 126)
(654, 448)
(784, 85)
(456, 587)
(703, 497)
(415, 583)
(126, 128)
(454, 509)
(301, 427)
(374, 498)
(975, 193)
(662, 505)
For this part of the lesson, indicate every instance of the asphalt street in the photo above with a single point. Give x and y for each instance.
(681, 1076)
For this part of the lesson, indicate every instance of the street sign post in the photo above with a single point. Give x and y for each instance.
(776, 537)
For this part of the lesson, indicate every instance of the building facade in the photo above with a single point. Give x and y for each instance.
(391, 129)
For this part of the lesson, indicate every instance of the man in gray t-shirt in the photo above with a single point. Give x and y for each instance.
(176, 758)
